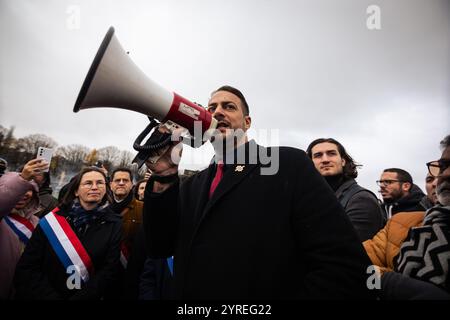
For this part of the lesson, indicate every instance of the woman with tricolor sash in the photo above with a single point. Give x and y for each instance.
(74, 252)
(19, 202)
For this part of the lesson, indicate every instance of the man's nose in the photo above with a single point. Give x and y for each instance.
(434, 184)
(218, 113)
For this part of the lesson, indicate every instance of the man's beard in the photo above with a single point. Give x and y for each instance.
(395, 196)
(443, 195)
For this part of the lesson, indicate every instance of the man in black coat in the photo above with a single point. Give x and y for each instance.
(271, 228)
(340, 170)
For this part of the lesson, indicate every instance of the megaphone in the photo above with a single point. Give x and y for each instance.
(114, 81)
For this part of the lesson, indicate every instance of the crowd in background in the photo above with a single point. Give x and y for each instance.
(100, 237)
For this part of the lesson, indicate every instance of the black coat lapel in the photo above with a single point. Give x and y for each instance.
(232, 177)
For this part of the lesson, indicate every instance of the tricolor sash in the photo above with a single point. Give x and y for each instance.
(21, 226)
(66, 244)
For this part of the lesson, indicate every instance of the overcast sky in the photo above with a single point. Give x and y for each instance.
(309, 69)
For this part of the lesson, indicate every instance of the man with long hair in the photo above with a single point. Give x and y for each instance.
(340, 171)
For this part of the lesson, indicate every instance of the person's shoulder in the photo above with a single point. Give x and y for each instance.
(135, 203)
(288, 152)
(362, 193)
(194, 177)
(407, 218)
(109, 215)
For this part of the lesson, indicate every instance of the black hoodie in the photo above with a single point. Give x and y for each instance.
(409, 203)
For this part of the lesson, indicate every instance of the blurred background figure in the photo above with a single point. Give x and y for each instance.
(399, 192)
(430, 199)
(3, 166)
(19, 202)
(139, 189)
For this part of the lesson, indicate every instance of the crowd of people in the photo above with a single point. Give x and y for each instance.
(306, 231)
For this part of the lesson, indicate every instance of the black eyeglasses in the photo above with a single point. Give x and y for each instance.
(384, 183)
(436, 167)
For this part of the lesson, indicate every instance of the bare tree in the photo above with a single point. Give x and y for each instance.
(32, 142)
(7, 140)
(109, 155)
(125, 158)
(74, 153)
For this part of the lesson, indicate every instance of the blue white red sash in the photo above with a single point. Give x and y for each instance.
(66, 244)
(21, 226)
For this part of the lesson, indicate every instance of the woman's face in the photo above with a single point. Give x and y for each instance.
(91, 190)
(24, 201)
(141, 190)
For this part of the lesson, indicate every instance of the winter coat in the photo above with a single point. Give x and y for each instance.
(385, 246)
(41, 275)
(409, 203)
(47, 201)
(362, 209)
(12, 189)
(260, 236)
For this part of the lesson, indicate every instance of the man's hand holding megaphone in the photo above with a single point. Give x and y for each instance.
(165, 168)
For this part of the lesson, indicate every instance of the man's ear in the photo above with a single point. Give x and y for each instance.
(406, 186)
(248, 122)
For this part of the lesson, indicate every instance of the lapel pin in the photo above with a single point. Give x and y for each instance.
(239, 168)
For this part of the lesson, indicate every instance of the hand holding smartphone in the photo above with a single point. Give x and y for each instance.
(45, 154)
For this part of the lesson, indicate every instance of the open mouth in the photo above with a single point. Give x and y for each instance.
(223, 124)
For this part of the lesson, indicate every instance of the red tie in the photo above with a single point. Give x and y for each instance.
(217, 177)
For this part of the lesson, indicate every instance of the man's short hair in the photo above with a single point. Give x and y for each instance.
(238, 94)
(350, 168)
(445, 143)
(402, 175)
(122, 169)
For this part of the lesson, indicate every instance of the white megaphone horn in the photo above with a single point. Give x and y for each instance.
(114, 81)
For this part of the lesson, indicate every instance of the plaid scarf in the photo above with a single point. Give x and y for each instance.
(425, 254)
(81, 219)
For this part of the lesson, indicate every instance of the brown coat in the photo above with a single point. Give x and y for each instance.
(131, 221)
(385, 245)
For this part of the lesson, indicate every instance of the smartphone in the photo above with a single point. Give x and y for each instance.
(46, 154)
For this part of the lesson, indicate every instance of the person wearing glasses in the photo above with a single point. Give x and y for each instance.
(75, 250)
(412, 252)
(428, 260)
(399, 193)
